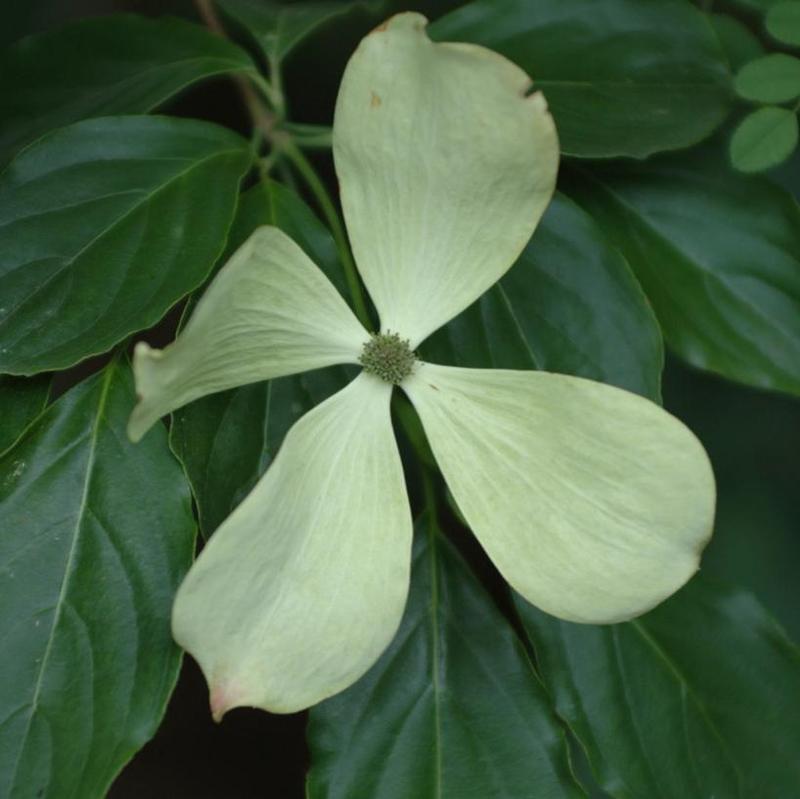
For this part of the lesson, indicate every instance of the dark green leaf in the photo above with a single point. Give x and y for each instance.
(738, 41)
(270, 203)
(624, 77)
(757, 6)
(698, 698)
(773, 78)
(752, 438)
(227, 440)
(783, 22)
(103, 226)
(120, 64)
(279, 28)
(452, 710)
(724, 281)
(570, 304)
(763, 139)
(95, 535)
(22, 399)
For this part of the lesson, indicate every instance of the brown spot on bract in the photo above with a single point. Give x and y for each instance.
(435, 388)
(382, 27)
(374, 100)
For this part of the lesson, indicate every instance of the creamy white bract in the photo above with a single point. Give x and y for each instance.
(593, 502)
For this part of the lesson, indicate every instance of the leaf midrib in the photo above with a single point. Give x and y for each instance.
(437, 690)
(662, 655)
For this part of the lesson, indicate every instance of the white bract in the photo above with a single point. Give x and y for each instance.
(593, 502)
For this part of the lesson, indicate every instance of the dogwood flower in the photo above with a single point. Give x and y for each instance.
(593, 503)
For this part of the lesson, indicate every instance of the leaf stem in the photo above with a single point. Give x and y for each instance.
(310, 137)
(266, 121)
(326, 205)
(262, 117)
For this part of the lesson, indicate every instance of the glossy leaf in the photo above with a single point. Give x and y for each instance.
(763, 139)
(227, 440)
(738, 41)
(623, 79)
(698, 698)
(452, 710)
(278, 28)
(95, 535)
(103, 226)
(773, 78)
(570, 304)
(724, 281)
(21, 401)
(783, 22)
(121, 64)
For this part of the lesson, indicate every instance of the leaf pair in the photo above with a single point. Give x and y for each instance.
(768, 136)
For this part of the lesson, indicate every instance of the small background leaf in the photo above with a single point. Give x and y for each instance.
(763, 139)
(773, 78)
(22, 399)
(738, 41)
(641, 77)
(783, 22)
(102, 230)
(699, 697)
(724, 281)
(468, 717)
(570, 304)
(76, 72)
(95, 535)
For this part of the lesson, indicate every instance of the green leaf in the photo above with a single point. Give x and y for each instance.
(752, 438)
(763, 139)
(103, 226)
(226, 440)
(773, 78)
(270, 203)
(95, 535)
(700, 697)
(121, 64)
(783, 22)
(278, 28)
(630, 80)
(738, 41)
(724, 281)
(453, 708)
(21, 401)
(570, 304)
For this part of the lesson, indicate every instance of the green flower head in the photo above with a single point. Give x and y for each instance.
(594, 503)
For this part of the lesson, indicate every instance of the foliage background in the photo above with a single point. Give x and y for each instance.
(753, 438)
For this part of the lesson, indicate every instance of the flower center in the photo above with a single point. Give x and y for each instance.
(388, 356)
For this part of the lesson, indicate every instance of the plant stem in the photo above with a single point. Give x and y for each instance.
(262, 118)
(315, 137)
(317, 188)
(266, 122)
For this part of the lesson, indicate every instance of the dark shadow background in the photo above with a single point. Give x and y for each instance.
(753, 439)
